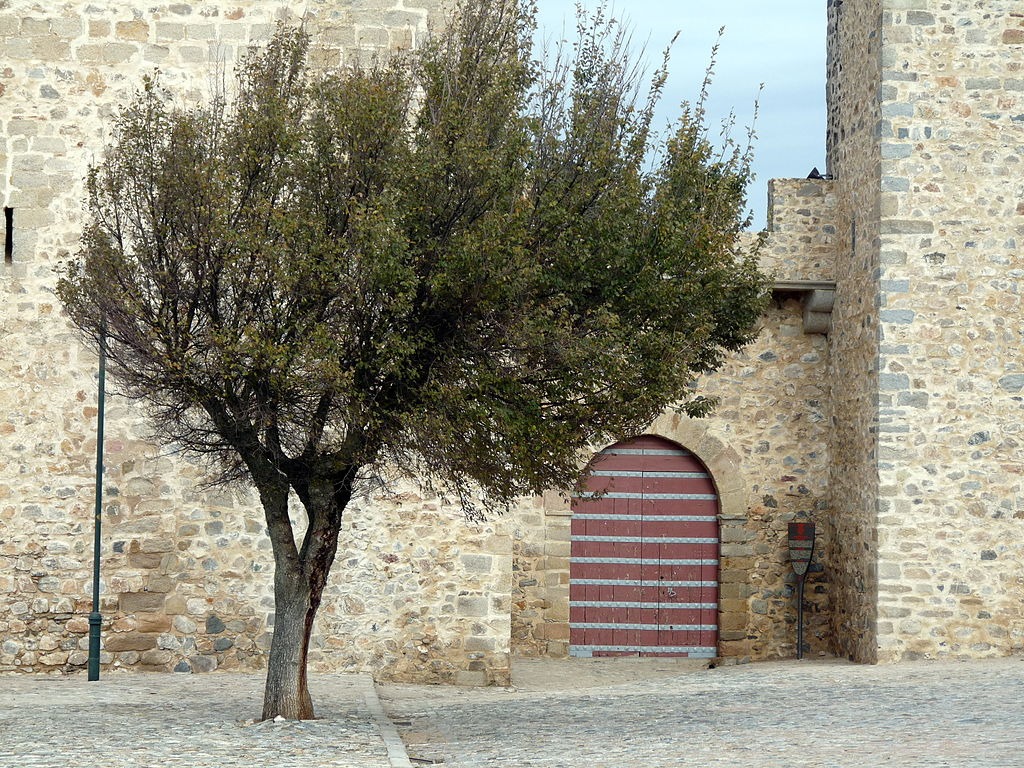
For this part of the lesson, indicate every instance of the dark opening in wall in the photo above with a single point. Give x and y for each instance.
(8, 235)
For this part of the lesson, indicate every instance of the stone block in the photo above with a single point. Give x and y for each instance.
(34, 27)
(906, 227)
(912, 399)
(892, 151)
(372, 37)
(556, 564)
(732, 621)
(557, 548)
(477, 563)
(482, 644)
(163, 584)
(54, 659)
(136, 30)
(155, 53)
(193, 54)
(738, 550)
(156, 545)
(53, 49)
(735, 534)
(175, 605)
(736, 589)
(144, 560)
(891, 382)
(203, 32)
(897, 316)
(141, 602)
(557, 649)
(117, 53)
(129, 641)
(203, 663)
(983, 83)
(730, 635)
(473, 606)
(1012, 383)
(152, 622)
(557, 532)
(730, 576)
(169, 31)
(156, 657)
(557, 630)
(558, 610)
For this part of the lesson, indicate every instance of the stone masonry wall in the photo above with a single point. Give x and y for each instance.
(951, 510)
(766, 448)
(802, 230)
(854, 61)
(186, 570)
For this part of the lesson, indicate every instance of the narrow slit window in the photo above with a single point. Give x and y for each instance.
(8, 235)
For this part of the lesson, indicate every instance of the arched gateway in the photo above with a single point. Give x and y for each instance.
(643, 573)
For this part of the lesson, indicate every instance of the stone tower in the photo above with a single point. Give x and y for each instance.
(926, 147)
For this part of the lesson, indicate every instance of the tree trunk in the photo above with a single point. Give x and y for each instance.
(299, 580)
(287, 693)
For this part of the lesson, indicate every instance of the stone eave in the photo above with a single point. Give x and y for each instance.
(818, 297)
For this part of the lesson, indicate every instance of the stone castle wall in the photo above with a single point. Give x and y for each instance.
(926, 142)
(897, 433)
(854, 61)
(186, 571)
(951, 510)
(802, 216)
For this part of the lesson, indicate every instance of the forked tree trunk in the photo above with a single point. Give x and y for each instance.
(299, 580)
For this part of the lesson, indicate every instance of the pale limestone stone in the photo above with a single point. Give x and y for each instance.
(913, 391)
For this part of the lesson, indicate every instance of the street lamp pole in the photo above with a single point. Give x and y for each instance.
(96, 618)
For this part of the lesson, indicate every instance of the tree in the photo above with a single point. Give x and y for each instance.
(460, 264)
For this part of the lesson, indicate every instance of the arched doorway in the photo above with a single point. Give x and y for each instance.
(643, 569)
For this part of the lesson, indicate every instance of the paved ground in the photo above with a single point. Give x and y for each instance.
(647, 715)
(568, 714)
(140, 720)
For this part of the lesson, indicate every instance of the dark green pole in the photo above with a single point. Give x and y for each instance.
(96, 618)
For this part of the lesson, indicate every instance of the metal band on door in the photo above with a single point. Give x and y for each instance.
(644, 555)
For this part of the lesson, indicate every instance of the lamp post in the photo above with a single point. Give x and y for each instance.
(96, 618)
(801, 549)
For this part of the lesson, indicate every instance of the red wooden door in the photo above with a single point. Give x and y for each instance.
(643, 576)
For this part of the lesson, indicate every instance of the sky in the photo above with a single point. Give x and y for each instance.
(780, 43)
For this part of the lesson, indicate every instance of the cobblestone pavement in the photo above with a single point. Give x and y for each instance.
(140, 720)
(618, 713)
(579, 713)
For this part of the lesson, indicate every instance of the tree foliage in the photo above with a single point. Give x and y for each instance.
(460, 264)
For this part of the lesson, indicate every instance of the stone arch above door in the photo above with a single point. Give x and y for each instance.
(722, 461)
